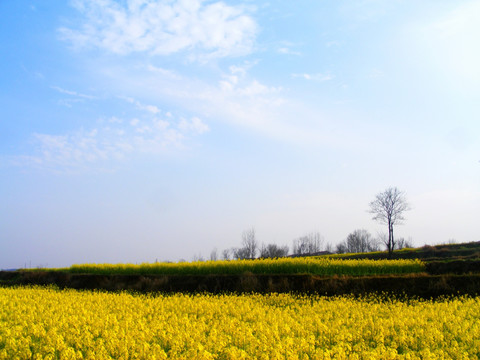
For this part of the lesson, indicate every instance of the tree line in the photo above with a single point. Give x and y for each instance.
(358, 241)
(387, 208)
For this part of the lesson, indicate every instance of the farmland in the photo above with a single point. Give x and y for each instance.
(289, 308)
(284, 266)
(45, 323)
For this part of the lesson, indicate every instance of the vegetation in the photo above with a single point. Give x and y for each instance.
(443, 252)
(359, 241)
(273, 251)
(247, 309)
(388, 208)
(308, 244)
(52, 324)
(301, 265)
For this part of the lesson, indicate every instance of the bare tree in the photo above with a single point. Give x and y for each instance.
(360, 241)
(341, 248)
(382, 237)
(226, 254)
(214, 255)
(402, 243)
(240, 253)
(388, 208)
(357, 242)
(273, 251)
(329, 247)
(308, 244)
(249, 243)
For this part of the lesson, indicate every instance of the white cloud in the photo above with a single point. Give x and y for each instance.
(73, 97)
(195, 124)
(315, 77)
(110, 140)
(73, 93)
(236, 98)
(164, 27)
(163, 72)
(237, 84)
(288, 51)
(150, 108)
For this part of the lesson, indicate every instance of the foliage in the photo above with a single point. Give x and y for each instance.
(39, 323)
(301, 265)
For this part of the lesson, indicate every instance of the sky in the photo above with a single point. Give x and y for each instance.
(141, 130)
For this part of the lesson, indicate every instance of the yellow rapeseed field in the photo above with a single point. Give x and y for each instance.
(44, 323)
(299, 265)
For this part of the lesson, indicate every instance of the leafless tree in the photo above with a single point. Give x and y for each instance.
(341, 248)
(250, 243)
(249, 246)
(357, 242)
(308, 244)
(273, 251)
(214, 255)
(240, 253)
(226, 254)
(388, 208)
(382, 237)
(329, 247)
(402, 243)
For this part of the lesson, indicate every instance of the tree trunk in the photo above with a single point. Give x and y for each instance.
(390, 239)
(393, 240)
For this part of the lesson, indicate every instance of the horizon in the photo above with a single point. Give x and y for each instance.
(138, 130)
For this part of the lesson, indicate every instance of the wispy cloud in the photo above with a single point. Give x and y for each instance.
(287, 51)
(72, 93)
(193, 29)
(237, 83)
(206, 30)
(73, 97)
(110, 140)
(314, 77)
(150, 108)
(235, 98)
(287, 48)
(195, 125)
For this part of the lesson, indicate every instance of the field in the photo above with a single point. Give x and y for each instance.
(289, 308)
(284, 266)
(45, 323)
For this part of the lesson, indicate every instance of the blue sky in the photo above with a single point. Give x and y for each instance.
(139, 130)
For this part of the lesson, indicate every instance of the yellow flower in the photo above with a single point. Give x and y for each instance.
(43, 323)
